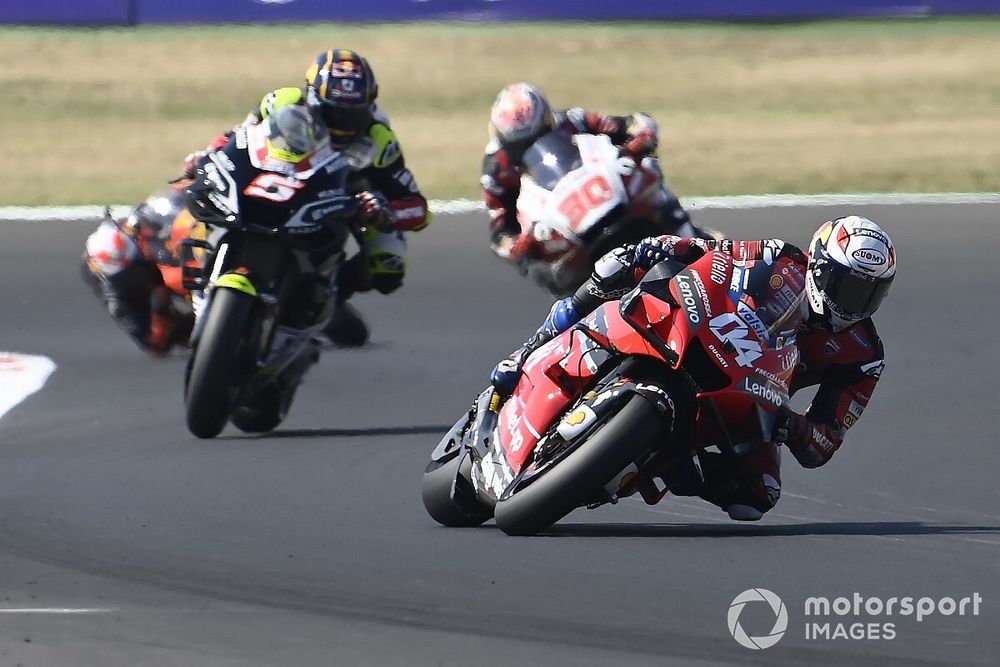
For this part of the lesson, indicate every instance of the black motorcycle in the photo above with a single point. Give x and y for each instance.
(277, 238)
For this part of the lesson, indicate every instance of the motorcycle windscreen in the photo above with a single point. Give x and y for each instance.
(550, 158)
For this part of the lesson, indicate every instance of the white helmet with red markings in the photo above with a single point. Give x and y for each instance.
(110, 250)
(852, 263)
(520, 115)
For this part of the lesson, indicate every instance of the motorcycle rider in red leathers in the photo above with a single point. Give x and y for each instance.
(839, 347)
(341, 86)
(522, 114)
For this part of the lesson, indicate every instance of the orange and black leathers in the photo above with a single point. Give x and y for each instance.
(501, 178)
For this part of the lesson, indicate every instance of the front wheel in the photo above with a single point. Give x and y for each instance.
(448, 494)
(214, 363)
(581, 476)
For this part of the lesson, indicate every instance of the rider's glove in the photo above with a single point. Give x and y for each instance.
(651, 251)
(655, 249)
(191, 163)
(375, 211)
(642, 136)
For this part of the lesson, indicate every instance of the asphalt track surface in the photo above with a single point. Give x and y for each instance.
(311, 546)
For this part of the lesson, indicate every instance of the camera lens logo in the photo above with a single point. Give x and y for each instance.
(780, 618)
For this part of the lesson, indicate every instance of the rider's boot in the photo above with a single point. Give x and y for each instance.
(347, 328)
(507, 373)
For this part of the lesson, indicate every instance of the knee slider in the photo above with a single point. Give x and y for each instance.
(386, 271)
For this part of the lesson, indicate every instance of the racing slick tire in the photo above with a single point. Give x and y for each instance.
(211, 383)
(581, 476)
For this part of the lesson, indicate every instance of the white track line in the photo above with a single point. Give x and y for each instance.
(56, 610)
(456, 206)
(21, 375)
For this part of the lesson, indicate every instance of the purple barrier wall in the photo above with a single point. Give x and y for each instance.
(65, 11)
(242, 11)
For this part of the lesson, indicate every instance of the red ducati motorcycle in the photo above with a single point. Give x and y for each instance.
(695, 356)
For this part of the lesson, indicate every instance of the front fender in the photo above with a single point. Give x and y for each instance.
(597, 404)
(238, 282)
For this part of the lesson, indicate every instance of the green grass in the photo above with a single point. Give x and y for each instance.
(106, 115)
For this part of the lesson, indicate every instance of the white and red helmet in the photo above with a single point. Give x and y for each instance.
(110, 250)
(851, 266)
(520, 115)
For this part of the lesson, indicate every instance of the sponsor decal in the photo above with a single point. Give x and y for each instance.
(576, 422)
(718, 355)
(764, 390)
(751, 318)
(871, 233)
(719, 268)
(738, 282)
(686, 292)
(776, 281)
(869, 257)
(873, 369)
(789, 358)
(831, 346)
(858, 336)
(820, 439)
(705, 304)
(319, 212)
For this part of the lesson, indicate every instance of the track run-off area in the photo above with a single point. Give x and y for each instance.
(126, 541)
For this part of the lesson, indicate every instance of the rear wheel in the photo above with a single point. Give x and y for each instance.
(448, 494)
(581, 476)
(214, 365)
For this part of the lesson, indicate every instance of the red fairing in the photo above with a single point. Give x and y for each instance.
(410, 213)
(756, 376)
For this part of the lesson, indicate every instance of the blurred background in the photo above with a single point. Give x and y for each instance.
(104, 99)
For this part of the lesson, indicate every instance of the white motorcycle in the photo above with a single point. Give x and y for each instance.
(580, 197)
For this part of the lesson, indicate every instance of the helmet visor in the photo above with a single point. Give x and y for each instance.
(346, 120)
(855, 294)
